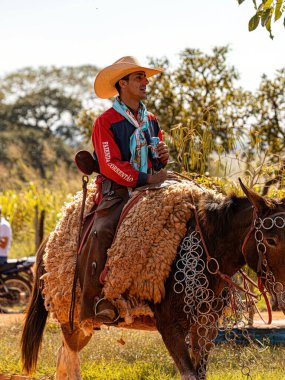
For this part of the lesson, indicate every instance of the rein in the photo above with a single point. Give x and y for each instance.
(267, 223)
(259, 284)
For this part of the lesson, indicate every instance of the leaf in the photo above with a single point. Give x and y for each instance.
(254, 3)
(267, 4)
(268, 23)
(240, 1)
(265, 16)
(253, 22)
(278, 12)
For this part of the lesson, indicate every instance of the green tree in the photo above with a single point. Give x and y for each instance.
(72, 81)
(268, 110)
(47, 97)
(265, 13)
(50, 98)
(38, 109)
(267, 129)
(199, 105)
(48, 109)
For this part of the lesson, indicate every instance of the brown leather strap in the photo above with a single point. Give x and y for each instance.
(134, 200)
(75, 277)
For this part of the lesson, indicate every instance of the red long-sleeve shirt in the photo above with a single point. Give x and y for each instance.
(111, 139)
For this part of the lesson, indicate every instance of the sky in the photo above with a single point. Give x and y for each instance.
(98, 32)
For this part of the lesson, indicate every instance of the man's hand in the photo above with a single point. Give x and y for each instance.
(3, 242)
(161, 176)
(162, 151)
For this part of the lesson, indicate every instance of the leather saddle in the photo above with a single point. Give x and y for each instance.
(86, 162)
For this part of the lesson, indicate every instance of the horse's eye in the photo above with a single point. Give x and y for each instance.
(272, 242)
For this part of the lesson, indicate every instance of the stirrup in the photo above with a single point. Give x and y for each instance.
(96, 313)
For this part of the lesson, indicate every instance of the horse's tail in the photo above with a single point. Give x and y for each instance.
(35, 319)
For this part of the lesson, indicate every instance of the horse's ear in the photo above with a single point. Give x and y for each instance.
(257, 200)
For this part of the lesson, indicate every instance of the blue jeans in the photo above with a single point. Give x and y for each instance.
(3, 259)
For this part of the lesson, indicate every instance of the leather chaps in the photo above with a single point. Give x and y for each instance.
(93, 256)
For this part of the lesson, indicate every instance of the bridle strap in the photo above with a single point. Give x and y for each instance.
(259, 284)
(250, 231)
(223, 276)
(264, 294)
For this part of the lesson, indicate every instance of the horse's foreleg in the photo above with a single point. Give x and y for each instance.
(173, 330)
(61, 365)
(68, 364)
(174, 339)
(201, 342)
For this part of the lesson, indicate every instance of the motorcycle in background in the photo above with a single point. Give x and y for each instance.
(16, 278)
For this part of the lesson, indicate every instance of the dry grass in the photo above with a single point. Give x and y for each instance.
(142, 357)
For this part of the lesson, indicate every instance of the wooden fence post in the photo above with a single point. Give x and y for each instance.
(36, 226)
(39, 227)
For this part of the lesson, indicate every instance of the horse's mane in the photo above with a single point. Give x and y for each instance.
(216, 211)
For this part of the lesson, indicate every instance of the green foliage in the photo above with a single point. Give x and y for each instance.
(72, 80)
(19, 208)
(85, 120)
(202, 112)
(199, 95)
(268, 126)
(47, 98)
(31, 154)
(204, 115)
(38, 110)
(194, 143)
(213, 127)
(266, 12)
(47, 108)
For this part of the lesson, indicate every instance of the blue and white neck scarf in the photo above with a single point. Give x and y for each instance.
(138, 143)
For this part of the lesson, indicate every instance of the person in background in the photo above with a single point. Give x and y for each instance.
(122, 137)
(5, 238)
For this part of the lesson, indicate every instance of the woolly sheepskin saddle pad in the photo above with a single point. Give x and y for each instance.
(140, 259)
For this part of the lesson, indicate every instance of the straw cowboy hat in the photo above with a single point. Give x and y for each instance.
(104, 85)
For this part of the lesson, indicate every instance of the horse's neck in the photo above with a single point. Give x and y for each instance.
(228, 242)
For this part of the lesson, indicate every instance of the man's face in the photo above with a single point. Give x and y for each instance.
(135, 87)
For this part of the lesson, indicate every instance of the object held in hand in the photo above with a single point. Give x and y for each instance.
(154, 142)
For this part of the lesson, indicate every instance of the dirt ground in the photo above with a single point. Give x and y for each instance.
(278, 319)
(7, 319)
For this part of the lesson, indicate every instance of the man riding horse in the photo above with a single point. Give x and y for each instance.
(121, 138)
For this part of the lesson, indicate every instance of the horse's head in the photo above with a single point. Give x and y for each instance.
(264, 247)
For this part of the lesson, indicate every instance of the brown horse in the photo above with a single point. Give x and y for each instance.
(234, 231)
